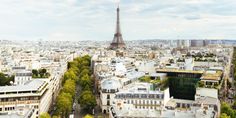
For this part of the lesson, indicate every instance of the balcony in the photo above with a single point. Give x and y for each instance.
(20, 102)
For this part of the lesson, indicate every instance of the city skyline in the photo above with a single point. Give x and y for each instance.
(76, 20)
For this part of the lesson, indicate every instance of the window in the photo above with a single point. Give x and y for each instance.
(108, 96)
(143, 96)
(151, 96)
(108, 102)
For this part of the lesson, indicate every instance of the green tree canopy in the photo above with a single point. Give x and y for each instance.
(225, 108)
(87, 100)
(5, 80)
(88, 116)
(85, 81)
(69, 87)
(44, 115)
(64, 104)
(70, 74)
(223, 115)
(84, 72)
(35, 72)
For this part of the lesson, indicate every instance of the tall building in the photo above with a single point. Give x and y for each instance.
(117, 42)
(199, 43)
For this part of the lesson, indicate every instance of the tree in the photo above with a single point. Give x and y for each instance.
(44, 115)
(69, 75)
(88, 116)
(201, 84)
(85, 62)
(225, 108)
(55, 116)
(69, 87)
(145, 79)
(5, 80)
(35, 72)
(44, 71)
(64, 104)
(223, 115)
(85, 81)
(87, 100)
(84, 72)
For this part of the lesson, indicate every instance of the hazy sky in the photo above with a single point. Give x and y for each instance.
(95, 19)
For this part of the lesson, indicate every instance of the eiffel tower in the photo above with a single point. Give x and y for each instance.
(117, 42)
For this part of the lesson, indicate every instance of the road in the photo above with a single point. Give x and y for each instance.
(226, 77)
(77, 112)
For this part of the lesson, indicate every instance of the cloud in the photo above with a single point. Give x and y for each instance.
(95, 19)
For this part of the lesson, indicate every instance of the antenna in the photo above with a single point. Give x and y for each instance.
(117, 3)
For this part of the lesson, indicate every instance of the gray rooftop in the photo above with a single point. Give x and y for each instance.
(32, 85)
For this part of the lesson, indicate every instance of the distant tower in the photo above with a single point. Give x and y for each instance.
(117, 42)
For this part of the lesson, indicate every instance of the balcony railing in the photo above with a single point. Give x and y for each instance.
(20, 102)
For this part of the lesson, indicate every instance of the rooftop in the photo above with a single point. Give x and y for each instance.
(111, 83)
(32, 85)
(212, 75)
(179, 71)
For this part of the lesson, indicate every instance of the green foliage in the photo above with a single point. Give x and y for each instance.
(44, 115)
(223, 115)
(87, 100)
(78, 72)
(145, 79)
(41, 73)
(44, 70)
(84, 72)
(5, 80)
(88, 116)
(85, 81)
(225, 108)
(55, 116)
(69, 87)
(35, 72)
(149, 80)
(64, 104)
(201, 84)
(70, 74)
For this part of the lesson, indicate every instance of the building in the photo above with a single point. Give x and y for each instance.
(32, 94)
(198, 43)
(22, 76)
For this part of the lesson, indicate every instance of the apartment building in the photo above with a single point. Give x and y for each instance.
(32, 94)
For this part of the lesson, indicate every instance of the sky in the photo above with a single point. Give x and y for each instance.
(77, 20)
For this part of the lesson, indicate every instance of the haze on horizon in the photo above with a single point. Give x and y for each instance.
(77, 20)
